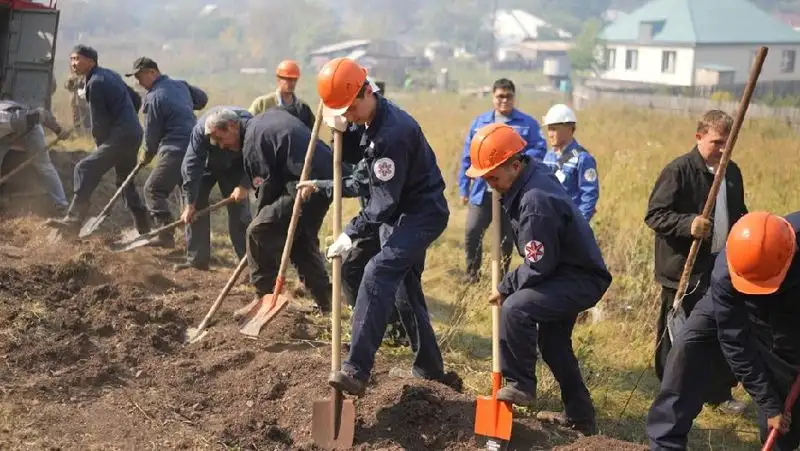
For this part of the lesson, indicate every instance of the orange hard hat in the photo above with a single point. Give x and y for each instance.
(760, 249)
(338, 84)
(288, 69)
(491, 146)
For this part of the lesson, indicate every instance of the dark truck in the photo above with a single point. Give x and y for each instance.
(27, 48)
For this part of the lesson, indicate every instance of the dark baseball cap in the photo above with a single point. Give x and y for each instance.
(142, 63)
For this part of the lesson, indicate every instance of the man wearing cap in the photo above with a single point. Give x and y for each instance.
(117, 134)
(169, 107)
(273, 146)
(406, 206)
(476, 193)
(21, 129)
(751, 314)
(204, 165)
(287, 74)
(572, 164)
(563, 274)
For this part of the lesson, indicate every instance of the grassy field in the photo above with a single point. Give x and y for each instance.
(631, 147)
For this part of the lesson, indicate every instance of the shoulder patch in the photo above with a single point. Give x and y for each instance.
(534, 251)
(590, 175)
(384, 169)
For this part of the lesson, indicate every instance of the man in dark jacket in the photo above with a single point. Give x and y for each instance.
(168, 121)
(749, 315)
(673, 212)
(117, 134)
(204, 165)
(273, 146)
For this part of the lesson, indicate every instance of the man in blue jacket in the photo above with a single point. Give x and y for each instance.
(749, 319)
(572, 164)
(476, 192)
(204, 165)
(168, 120)
(117, 134)
(563, 274)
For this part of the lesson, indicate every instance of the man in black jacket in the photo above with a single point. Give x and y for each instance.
(673, 212)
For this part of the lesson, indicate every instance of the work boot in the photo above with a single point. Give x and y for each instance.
(344, 382)
(732, 407)
(451, 378)
(141, 220)
(510, 393)
(560, 419)
(73, 219)
(164, 239)
(188, 265)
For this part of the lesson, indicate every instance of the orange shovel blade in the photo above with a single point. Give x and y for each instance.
(493, 418)
(265, 313)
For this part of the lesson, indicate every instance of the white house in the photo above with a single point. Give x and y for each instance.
(512, 26)
(698, 42)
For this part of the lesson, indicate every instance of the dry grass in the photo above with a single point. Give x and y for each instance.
(631, 147)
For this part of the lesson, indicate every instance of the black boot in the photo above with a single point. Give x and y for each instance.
(141, 220)
(74, 218)
(163, 239)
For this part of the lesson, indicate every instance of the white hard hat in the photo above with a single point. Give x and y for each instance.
(559, 114)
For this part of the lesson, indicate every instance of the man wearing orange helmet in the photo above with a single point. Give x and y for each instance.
(751, 313)
(287, 74)
(405, 205)
(563, 274)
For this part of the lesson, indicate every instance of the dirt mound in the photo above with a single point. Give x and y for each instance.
(600, 442)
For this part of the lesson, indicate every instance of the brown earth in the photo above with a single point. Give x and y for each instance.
(92, 356)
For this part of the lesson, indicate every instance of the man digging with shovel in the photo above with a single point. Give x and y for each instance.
(562, 275)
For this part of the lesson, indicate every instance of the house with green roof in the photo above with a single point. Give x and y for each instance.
(698, 43)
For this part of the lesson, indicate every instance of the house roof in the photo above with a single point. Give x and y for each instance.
(703, 22)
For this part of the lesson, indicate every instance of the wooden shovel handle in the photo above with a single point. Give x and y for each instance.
(755, 71)
(227, 289)
(496, 242)
(336, 298)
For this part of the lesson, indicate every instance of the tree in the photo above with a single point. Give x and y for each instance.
(583, 55)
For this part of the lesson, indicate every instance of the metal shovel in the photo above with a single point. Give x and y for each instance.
(142, 240)
(333, 420)
(677, 316)
(261, 311)
(91, 224)
(494, 418)
(195, 334)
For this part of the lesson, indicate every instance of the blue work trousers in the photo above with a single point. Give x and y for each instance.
(545, 315)
(401, 260)
(198, 232)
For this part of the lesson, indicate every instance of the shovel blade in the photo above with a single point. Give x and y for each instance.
(676, 320)
(193, 335)
(265, 313)
(248, 311)
(333, 422)
(493, 420)
(129, 245)
(91, 225)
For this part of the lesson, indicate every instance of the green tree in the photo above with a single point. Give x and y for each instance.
(583, 55)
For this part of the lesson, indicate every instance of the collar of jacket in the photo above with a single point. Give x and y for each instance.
(91, 72)
(522, 180)
(514, 115)
(697, 160)
(157, 81)
(243, 123)
(380, 113)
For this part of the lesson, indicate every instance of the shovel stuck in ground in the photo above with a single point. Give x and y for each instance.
(677, 315)
(92, 224)
(494, 418)
(333, 419)
(195, 334)
(142, 240)
(261, 311)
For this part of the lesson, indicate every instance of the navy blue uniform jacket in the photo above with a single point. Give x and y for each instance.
(169, 114)
(552, 234)
(114, 105)
(202, 157)
(404, 178)
(748, 325)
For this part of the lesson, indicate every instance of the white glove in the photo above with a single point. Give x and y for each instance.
(338, 123)
(341, 246)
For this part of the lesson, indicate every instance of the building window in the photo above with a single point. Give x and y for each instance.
(787, 61)
(611, 58)
(631, 59)
(668, 58)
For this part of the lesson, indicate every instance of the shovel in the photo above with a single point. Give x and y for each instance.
(261, 311)
(195, 334)
(493, 418)
(142, 240)
(333, 420)
(677, 316)
(91, 225)
(787, 410)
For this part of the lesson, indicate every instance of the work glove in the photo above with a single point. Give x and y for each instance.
(147, 158)
(701, 227)
(338, 123)
(341, 246)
